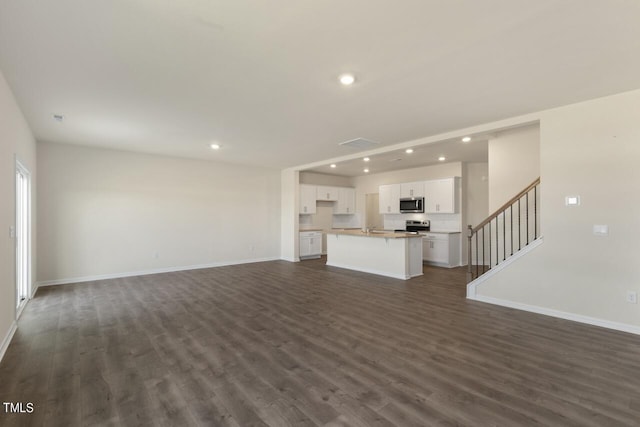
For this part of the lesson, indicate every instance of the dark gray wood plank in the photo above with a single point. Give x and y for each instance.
(303, 344)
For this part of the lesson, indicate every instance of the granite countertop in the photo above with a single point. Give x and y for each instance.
(375, 233)
(444, 232)
(310, 229)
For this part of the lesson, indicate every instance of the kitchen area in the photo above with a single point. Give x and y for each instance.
(414, 222)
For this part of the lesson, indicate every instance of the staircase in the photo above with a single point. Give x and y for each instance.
(505, 233)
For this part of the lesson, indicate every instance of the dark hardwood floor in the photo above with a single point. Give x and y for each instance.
(284, 344)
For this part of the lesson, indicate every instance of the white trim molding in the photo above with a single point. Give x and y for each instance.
(560, 314)
(7, 339)
(473, 285)
(147, 272)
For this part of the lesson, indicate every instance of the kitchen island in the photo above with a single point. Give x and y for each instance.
(397, 255)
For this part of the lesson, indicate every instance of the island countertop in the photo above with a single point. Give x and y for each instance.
(374, 233)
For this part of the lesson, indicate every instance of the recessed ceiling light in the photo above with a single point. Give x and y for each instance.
(442, 158)
(215, 146)
(366, 159)
(58, 117)
(347, 79)
(333, 165)
(409, 150)
(366, 171)
(466, 139)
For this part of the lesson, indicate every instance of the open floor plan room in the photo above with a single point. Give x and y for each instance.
(319, 213)
(280, 344)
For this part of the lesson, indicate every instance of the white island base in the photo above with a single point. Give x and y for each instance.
(387, 254)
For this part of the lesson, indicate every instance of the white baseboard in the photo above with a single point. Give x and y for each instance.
(560, 314)
(146, 272)
(284, 258)
(7, 339)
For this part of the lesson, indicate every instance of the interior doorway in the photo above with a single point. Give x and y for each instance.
(22, 232)
(372, 217)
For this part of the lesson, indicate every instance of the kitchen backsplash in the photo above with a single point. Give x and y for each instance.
(439, 222)
(347, 221)
(324, 219)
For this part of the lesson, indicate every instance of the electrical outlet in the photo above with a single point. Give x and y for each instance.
(632, 297)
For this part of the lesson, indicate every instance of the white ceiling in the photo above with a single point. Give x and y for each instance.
(260, 78)
(422, 155)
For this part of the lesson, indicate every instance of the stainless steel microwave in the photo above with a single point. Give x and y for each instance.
(412, 205)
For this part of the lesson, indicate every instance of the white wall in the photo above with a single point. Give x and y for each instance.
(289, 205)
(514, 163)
(589, 149)
(313, 178)
(106, 212)
(16, 141)
(476, 180)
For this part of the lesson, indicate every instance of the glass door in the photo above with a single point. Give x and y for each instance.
(23, 236)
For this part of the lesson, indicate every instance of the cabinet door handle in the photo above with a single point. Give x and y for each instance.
(327, 195)
(305, 209)
(388, 208)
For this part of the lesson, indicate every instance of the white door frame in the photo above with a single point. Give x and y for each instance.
(22, 236)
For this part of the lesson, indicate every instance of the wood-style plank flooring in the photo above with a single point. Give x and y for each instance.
(283, 344)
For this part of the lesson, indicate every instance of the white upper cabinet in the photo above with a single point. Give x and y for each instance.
(412, 189)
(441, 195)
(307, 199)
(346, 203)
(344, 198)
(389, 199)
(327, 194)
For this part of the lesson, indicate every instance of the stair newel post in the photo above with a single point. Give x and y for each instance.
(469, 236)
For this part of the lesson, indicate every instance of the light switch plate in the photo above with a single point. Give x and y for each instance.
(572, 200)
(601, 230)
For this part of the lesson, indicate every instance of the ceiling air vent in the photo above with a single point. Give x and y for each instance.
(359, 143)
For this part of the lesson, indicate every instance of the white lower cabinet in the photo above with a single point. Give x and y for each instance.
(442, 249)
(310, 244)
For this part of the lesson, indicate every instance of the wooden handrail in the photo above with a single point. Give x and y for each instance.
(505, 206)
